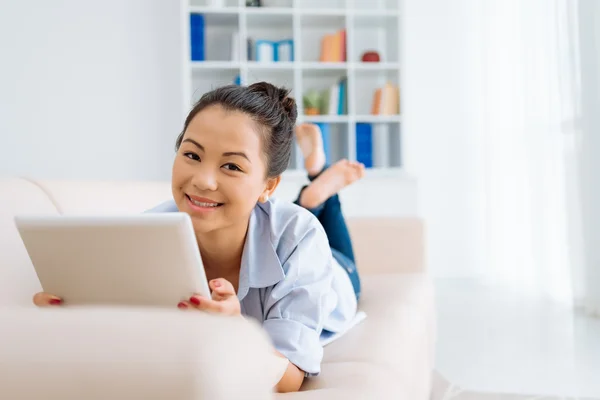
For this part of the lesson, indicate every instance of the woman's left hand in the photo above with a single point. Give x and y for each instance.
(224, 299)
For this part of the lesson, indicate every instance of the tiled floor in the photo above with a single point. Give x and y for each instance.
(492, 340)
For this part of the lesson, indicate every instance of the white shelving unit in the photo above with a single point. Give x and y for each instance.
(369, 25)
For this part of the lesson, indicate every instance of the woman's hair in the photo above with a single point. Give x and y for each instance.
(269, 106)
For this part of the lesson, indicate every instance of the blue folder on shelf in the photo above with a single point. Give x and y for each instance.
(364, 144)
(197, 36)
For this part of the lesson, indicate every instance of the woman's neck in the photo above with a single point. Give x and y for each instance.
(221, 250)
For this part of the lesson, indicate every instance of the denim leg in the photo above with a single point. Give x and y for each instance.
(331, 217)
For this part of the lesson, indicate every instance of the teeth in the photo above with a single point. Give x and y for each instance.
(201, 204)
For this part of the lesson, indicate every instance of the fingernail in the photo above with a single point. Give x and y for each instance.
(182, 305)
(55, 302)
(217, 283)
(195, 300)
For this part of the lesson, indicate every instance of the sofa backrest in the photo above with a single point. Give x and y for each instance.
(382, 245)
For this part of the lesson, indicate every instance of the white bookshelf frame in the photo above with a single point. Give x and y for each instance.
(301, 71)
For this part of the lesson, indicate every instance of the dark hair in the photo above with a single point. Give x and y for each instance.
(271, 109)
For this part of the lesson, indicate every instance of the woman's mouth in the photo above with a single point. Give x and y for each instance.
(202, 203)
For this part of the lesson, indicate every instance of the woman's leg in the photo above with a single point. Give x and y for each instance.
(329, 213)
(320, 196)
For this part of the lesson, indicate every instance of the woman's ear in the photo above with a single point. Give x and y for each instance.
(272, 184)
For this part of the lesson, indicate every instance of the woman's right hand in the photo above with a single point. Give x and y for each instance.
(46, 299)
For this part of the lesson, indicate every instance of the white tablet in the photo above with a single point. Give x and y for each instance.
(137, 260)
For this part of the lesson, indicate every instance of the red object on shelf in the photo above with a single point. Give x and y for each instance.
(370, 56)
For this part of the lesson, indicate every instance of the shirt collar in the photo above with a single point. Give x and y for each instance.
(260, 266)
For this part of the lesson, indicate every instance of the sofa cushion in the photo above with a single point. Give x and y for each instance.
(101, 353)
(396, 338)
(18, 281)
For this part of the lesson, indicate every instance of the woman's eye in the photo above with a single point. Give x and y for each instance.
(192, 156)
(232, 167)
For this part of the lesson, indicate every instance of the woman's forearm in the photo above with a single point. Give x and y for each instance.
(292, 378)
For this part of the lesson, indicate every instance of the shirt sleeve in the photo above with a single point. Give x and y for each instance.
(296, 308)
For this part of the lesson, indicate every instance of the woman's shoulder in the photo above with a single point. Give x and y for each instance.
(289, 223)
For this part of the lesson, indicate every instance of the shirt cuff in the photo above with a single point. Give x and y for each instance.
(298, 343)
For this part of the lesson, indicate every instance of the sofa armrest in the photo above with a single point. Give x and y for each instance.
(74, 354)
(387, 245)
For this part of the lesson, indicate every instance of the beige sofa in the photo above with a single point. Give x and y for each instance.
(134, 354)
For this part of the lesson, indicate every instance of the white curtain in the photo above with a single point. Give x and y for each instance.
(531, 113)
(584, 163)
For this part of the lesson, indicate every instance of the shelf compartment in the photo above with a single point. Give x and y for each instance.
(270, 27)
(378, 145)
(313, 29)
(366, 82)
(323, 84)
(375, 33)
(219, 28)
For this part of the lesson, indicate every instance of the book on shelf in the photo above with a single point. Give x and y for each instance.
(364, 144)
(334, 100)
(265, 51)
(333, 47)
(386, 100)
(271, 51)
(197, 36)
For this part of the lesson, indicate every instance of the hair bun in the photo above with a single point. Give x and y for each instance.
(280, 95)
(288, 103)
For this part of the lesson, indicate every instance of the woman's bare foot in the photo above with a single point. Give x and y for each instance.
(331, 181)
(310, 141)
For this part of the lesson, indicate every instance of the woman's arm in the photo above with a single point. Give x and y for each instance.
(292, 378)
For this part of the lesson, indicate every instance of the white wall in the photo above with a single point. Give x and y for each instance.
(439, 87)
(89, 90)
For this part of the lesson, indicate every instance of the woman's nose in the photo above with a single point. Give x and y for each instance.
(205, 179)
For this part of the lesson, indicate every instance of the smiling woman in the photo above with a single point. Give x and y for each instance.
(288, 266)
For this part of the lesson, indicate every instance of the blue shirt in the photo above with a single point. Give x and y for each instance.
(289, 281)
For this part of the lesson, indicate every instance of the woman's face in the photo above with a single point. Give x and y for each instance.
(219, 171)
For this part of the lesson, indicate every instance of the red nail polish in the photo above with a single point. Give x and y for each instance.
(195, 301)
(182, 305)
(55, 302)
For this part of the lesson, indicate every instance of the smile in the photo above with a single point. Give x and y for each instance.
(203, 203)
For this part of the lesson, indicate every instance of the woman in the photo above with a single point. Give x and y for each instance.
(265, 259)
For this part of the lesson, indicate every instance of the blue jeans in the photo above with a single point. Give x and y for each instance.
(329, 213)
